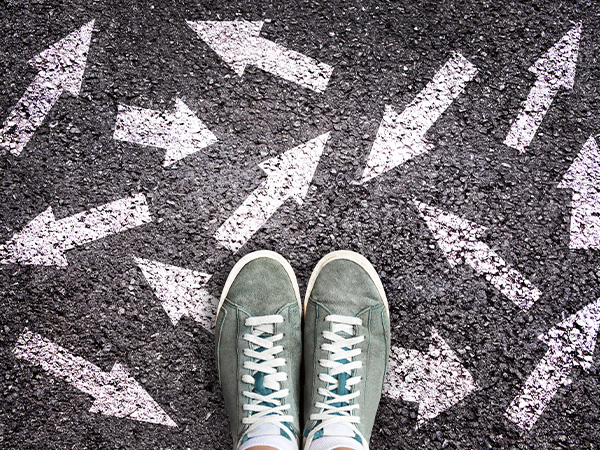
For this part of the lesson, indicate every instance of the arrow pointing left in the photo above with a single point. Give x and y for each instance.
(44, 240)
(61, 68)
(180, 133)
(288, 175)
(116, 393)
(436, 380)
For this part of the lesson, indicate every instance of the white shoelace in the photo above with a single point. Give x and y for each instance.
(337, 408)
(265, 408)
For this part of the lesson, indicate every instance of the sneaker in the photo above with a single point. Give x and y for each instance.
(258, 335)
(346, 349)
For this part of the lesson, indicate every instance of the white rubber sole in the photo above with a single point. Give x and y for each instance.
(350, 256)
(251, 257)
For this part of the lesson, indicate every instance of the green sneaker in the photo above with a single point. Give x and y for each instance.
(258, 335)
(346, 349)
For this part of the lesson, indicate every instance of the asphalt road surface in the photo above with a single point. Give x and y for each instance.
(152, 144)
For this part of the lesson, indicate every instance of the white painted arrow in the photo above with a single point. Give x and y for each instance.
(436, 380)
(459, 240)
(554, 70)
(238, 44)
(583, 177)
(44, 240)
(61, 69)
(180, 133)
(181, 291)
(116, 392)
(288, 175)
(402, 136)
(571, 343)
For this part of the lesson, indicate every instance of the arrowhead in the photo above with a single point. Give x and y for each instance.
(576, 335)
(583, 175)
(122, 396)
(558, 65)
(189, 134)
(232, 41)
(181, 291)
(452, 233)
(35, 244)
(436, 380)
(294, 169)
(64, 62)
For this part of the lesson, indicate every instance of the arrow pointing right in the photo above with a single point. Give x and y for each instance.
(459, 240)
(116, 392)
(571, 343)
(289, 175)
(436, 379)
(554, 70)
(61, 68)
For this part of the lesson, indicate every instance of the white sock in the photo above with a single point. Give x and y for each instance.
(333, 442)
(270, 436)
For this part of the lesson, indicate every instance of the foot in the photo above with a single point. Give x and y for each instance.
(346, 348)
(258, 349)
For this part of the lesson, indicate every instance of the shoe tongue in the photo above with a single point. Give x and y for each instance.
(337, 429)
(265, 429)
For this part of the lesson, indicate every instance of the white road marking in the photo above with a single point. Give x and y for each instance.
(571, 343)
(554, 70)
(61, 68)
(583, 177)
(288, 175)
(459, 240)
(44, 240)
(180, 133)
(181, 291)
(238, 44)
(402, 136)
(436, 380)
(116, 393)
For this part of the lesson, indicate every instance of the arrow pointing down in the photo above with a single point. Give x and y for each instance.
(288, 176)
(116, 392)
(61, 68)
(238, 44)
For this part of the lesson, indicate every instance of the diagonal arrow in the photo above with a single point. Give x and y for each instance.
(238, 44)
(554, 70)
(583, 177)
(436, 380)
(44, 240)
(459, 240)
(181, 291)
(61, 69)
(116, 393)
(402, 136)
(570, 343)
(180, 133)
(288, 175)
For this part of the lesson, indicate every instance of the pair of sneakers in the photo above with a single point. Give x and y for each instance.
(260, 345)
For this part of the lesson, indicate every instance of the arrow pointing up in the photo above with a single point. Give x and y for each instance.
(116, 392)
(571, 343)
(180, 133)
(61, 68)
(459, 240)
(402, 136)
(554, 70)
(288, 176)
(181, 291)
(238, 44)
(583, 177)
(436, 379)
(44, 240)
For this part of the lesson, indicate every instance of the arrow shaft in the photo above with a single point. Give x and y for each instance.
(144, 126)
(29, 113)
(531, 114)
(59, 362)
(288, 64)
(502, 276)
(585, 222)
(97, 223)
(252, 214)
